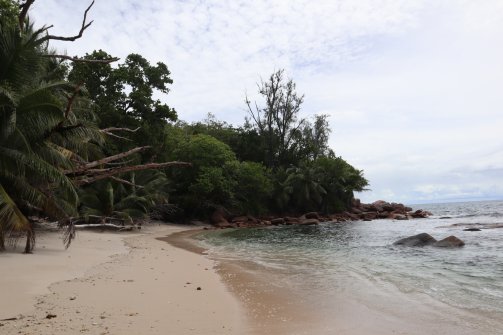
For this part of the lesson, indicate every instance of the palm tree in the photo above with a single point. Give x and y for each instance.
(125, 199)
(340, 180)
(307, 191)
(40, 132)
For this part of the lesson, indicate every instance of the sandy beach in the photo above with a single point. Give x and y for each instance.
(115, 283)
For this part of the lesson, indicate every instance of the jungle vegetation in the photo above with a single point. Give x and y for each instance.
(83, 138)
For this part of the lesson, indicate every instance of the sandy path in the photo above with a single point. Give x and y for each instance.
(150, 287)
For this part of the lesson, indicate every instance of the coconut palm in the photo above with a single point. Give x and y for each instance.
(40, 133)
(307, 192)
(340, 180)
(109, 199)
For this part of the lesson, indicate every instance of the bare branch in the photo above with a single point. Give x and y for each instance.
(123, 181)
(24, 11)
(108, 173)
(72, 99)
(120, 129)
(83, 60)
(85, 167)
(72, 38)
(116, 136)
(109, 132)
(119, 163)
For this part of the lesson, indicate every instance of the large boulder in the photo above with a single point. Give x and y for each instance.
(369, 216)
(242, 219)
(309, 222)
(312, 215)
(277, 221)
(420, 214)
(449, 242)
(398, 216)
(418, 240)
(355, 210)
(291, 220)
(380, 206)
(219, 217)
(351, 216)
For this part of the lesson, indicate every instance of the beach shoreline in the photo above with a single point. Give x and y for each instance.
(115, 283)
(162, 280)
(276, 302)
(269, 308)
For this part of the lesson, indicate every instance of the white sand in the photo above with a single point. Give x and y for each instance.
(100, 286)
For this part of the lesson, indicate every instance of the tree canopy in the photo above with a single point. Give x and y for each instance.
(90, 137)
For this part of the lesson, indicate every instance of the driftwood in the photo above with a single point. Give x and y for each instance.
(106, 226)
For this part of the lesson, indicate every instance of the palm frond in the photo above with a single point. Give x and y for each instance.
(11, 217)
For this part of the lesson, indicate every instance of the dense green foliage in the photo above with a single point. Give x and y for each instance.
(80, 139)
(317, 182)
(275, 163)
(38, 134)
(123, 97)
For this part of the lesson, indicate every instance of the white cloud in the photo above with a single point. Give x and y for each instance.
(412, 87)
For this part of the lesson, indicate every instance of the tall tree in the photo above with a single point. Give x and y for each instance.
(124, 95)
(278, 121)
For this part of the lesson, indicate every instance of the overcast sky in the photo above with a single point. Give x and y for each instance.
(414, 89)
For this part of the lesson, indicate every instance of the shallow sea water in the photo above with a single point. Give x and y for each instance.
(457, 291)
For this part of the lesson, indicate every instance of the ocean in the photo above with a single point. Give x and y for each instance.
(349, 278)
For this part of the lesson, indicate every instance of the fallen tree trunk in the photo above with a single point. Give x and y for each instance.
(108, 226)
(93, 175)
(82, 169)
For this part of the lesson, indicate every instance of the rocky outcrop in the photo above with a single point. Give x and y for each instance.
(386, 210)
(418, 240)
(449, 242)
(358, 211)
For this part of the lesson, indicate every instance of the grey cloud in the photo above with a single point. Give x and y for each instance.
(412, 87)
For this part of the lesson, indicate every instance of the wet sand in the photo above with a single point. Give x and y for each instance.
(367, 306)
(269, 307)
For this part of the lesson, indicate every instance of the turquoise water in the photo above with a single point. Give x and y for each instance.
(358, 260)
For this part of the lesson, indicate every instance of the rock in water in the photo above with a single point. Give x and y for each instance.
(418, 240)
(472, 229)
(449, 242)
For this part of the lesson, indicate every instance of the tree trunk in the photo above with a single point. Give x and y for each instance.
(2, 241)
(30, 240)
